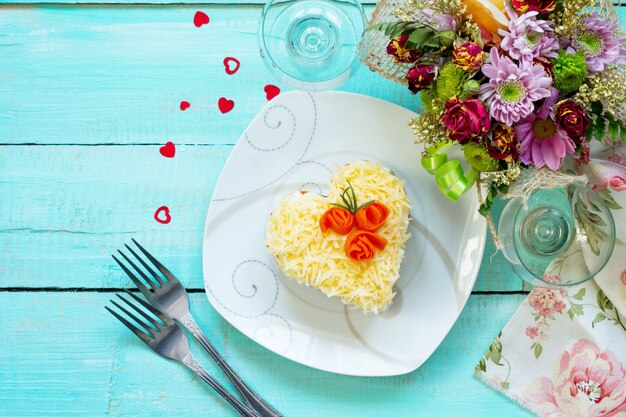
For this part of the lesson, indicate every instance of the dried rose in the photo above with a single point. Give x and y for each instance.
(397, 48)
(420, 76)
(573, 119)
(541, 6)
(469, 56)
(503, 144)
(465, 120)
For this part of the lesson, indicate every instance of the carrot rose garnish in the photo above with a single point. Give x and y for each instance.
(360, 245)
(371, 217)
(338, 219)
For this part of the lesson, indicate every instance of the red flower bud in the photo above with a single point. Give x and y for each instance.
(503, 144)
(420, 76)
(573, 119)
(397, 48)
(465, 120)
(469, 57)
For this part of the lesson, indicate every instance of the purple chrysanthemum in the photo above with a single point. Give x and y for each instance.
(543, 142)
(598, 41)
(529, 38)
(512, 90)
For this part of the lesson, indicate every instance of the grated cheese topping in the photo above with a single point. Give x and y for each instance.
(318, 260)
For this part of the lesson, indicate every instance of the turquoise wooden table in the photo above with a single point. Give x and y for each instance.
(88, 95)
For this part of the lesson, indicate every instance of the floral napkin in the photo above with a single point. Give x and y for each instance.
(563, 354)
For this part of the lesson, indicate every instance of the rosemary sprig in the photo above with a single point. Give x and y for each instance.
(349, 200)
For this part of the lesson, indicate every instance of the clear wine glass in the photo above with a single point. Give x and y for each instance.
(560, 236)
(311, 45)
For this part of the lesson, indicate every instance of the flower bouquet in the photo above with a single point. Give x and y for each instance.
(520, 85)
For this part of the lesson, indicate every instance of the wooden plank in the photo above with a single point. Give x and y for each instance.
(103, 74)
(64, 355)
(65, 209)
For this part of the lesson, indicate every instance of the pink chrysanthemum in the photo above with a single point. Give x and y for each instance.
(529, 38)
(543, 142)
(512, 90)
(597, 40)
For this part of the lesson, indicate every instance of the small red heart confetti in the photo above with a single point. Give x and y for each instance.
(200, 18)
(271, 91)
(227, 61)
(168, 150)
(184, 105)
(165, 211)
(225, 105)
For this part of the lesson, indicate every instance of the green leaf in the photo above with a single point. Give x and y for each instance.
(589, 134)
(590, 224)
(609, 116)
(422, 38)
(538, 349)
(419, 35)
(482, 365)
(579, 295)
(609, 200)
(599, 317)
(393, 29)
(613, 130)
(597, 107)
(505, 385)
(576, 309)
(497, 344)
(599, 128)
(570, 313)
(603, 302)
(496, 356)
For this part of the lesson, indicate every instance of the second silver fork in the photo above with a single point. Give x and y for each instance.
(168, 295)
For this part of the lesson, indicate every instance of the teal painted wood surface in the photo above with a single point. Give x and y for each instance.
(103, 74)
(88, 365)
(95, 90)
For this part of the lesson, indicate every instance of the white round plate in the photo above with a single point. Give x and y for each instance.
(295, 143)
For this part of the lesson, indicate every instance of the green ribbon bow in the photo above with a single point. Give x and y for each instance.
(449, 175)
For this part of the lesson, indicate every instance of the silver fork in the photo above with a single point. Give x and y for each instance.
(169, 340)
(168, 295)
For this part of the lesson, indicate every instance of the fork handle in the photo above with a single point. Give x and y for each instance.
(193, 364)
(251, 398)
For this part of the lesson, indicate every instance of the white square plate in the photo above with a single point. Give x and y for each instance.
(295, 143)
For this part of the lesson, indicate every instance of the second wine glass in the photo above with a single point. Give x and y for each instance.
(560, 236)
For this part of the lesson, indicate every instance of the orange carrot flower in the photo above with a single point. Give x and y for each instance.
(338, 219)
(371, 217)
(360, 245)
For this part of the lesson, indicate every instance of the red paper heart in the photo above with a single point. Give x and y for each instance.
(225, 105)
(227, 61)
(184, 105)
(200, 18)
(168, 150)
(166, 212)
(271, 91)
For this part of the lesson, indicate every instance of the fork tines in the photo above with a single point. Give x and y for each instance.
(156, 281)
(147, 331)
